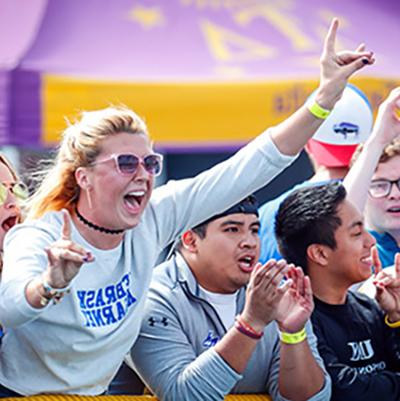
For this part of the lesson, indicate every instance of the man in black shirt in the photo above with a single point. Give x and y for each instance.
(359, 339)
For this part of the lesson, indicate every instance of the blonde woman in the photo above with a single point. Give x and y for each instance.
(74, 282)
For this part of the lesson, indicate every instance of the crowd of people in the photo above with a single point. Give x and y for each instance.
(275, 299)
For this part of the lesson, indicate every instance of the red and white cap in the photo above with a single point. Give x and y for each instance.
(348, 124)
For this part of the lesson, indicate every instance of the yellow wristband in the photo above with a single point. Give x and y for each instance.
(318, 111)
(293, 338)
(394, 325)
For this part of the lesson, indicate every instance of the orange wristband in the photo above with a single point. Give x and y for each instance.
(246, 328)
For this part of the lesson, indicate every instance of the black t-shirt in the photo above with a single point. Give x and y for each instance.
(361, 353)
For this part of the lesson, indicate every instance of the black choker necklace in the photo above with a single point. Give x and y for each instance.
(96, 227)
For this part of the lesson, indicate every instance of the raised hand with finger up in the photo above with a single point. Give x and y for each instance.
(337, 67)
(65, 257)
(387, 287)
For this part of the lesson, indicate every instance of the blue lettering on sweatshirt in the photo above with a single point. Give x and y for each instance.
(108, 305)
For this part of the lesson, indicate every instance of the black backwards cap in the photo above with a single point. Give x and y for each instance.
(248, 205)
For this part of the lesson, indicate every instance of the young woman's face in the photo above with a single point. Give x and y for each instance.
(118, 200)
(10, 213)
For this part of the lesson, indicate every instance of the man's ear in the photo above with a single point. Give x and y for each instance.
(319, 254)
(82, 178)
(189, 241)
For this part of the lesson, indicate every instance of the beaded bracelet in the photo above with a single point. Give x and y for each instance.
(246, 329)
(318, 111)
(51, 294)
(293, 338)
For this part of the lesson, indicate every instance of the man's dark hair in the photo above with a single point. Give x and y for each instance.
(200, 230)
(308, 216)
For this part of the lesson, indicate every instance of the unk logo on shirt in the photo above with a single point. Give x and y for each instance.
(210, 340)
(361, 350)
(107, 305)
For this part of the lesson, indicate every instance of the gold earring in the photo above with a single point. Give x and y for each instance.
(89, 198)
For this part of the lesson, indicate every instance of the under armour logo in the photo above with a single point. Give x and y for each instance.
(361, 350)
(153, 321)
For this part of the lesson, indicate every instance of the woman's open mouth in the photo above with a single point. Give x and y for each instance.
(133, 200)
(9, 223)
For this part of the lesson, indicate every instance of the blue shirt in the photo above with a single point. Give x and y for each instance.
(387, 247)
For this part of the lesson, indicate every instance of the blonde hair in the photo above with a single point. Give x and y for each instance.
(80, 146)
(390, 150)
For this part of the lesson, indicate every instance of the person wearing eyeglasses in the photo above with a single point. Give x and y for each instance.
(373, 183)
(77, 272)
(382, 209)
(12, 192)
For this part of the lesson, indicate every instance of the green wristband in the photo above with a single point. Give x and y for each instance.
(293, 338)
(318, 111)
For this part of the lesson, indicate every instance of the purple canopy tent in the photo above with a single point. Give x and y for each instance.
(202, 72)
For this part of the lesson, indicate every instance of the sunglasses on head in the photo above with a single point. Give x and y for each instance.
(18, 189)
(128, 163)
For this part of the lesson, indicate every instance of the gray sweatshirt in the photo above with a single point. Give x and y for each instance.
(175, 355)
(77, 346)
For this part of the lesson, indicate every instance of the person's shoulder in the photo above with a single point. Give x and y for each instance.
(164, 278)
(367, 288)
(362, 302)
(377, 235)
(48, 225)
(166, 293)
(357, 306)
(359, 297)
(163, 271)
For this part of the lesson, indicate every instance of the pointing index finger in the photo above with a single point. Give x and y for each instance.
(66, 227)
(376, 262)
(329, 43)
(397, 265)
